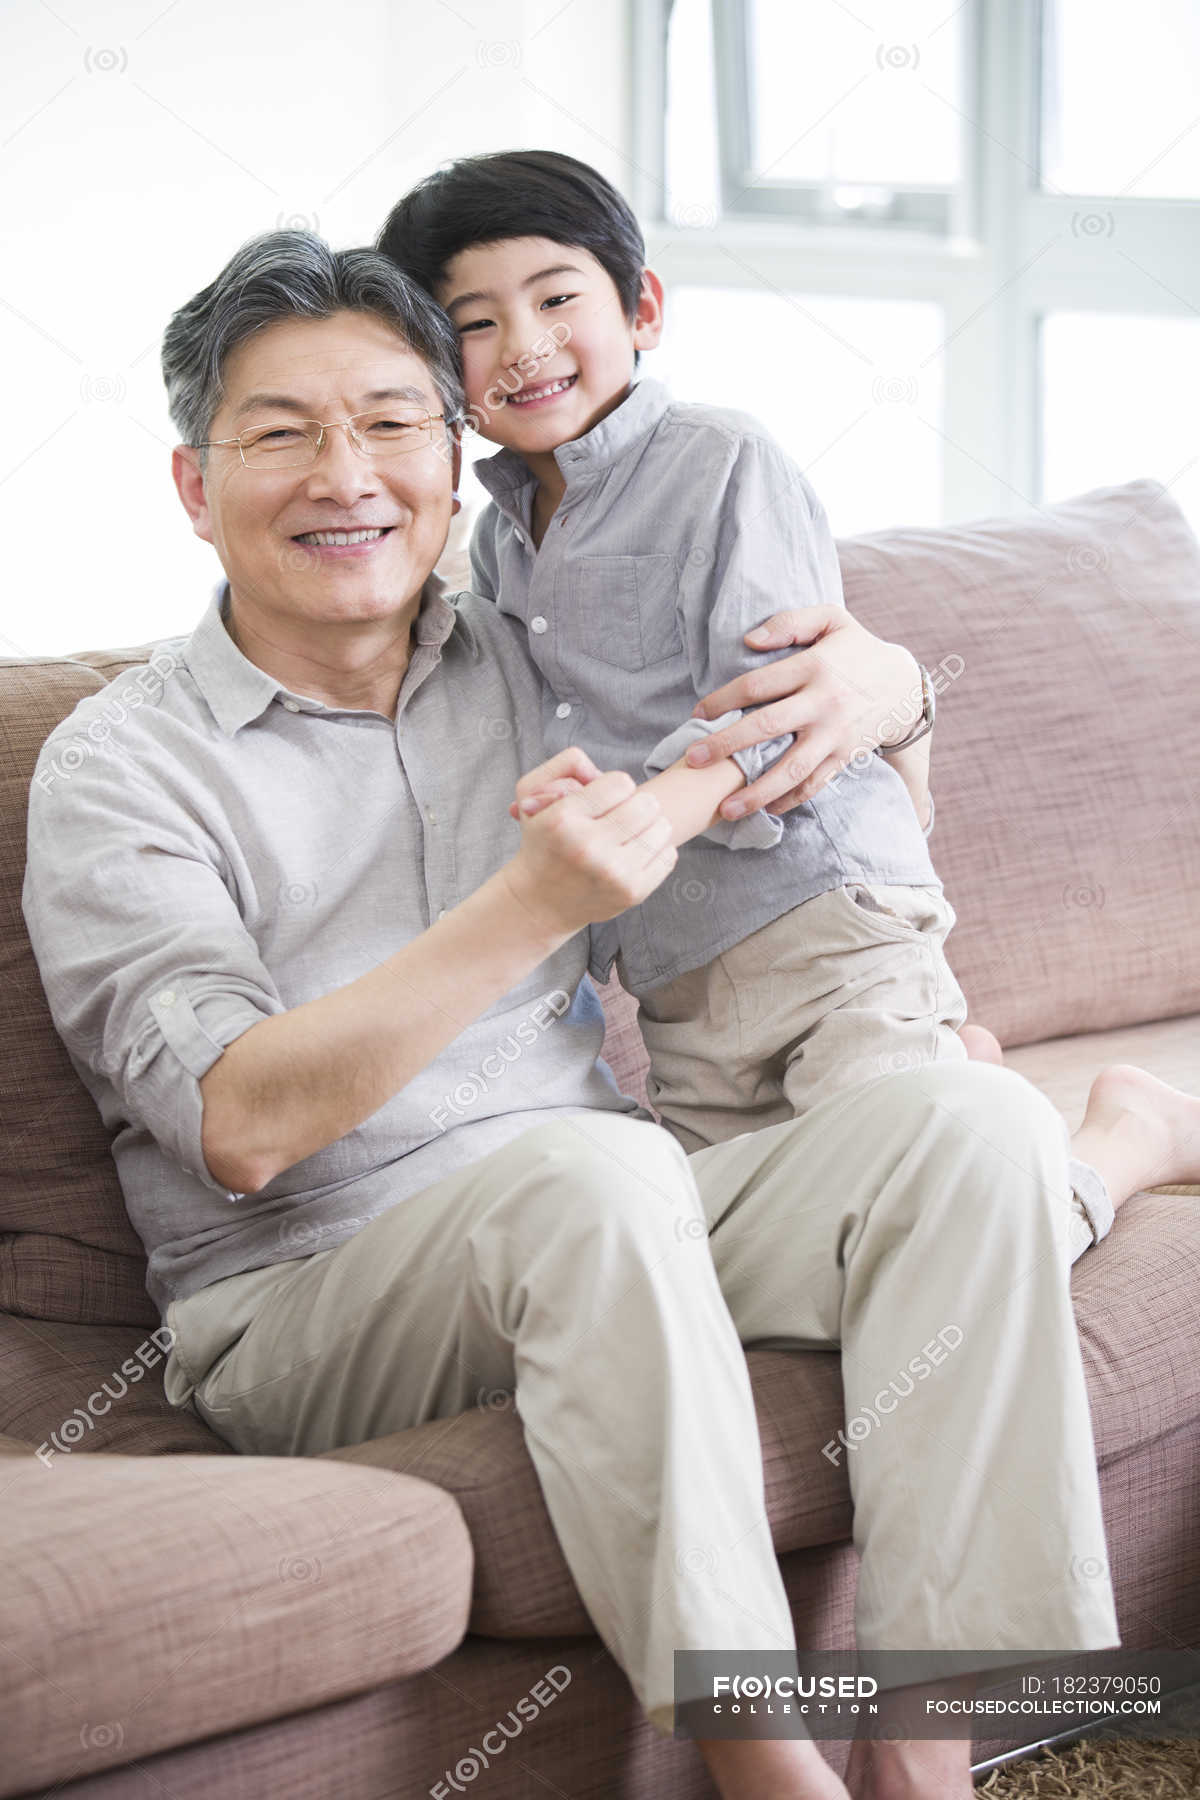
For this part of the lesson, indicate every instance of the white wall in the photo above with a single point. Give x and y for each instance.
(140, 143)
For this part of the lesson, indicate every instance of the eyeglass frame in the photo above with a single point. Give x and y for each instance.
(324, 425)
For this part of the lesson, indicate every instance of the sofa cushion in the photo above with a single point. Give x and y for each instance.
(159, 1600)
(1065, 764)
(1064, 1068)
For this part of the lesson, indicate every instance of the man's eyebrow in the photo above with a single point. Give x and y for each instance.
(288, 403)
(478, 294)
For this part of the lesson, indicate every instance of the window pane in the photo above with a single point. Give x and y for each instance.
(1119, 98)
(863, 94)
(1120, 400)
(693, 181)
(839, 383)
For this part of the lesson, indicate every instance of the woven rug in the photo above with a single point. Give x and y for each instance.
(1126, 1769)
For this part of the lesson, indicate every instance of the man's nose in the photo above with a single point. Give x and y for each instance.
(341, 472)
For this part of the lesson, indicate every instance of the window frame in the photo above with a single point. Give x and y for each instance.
(743, 195)
(1013, 253)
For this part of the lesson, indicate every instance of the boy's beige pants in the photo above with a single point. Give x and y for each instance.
(613, 1283)
(845, 988)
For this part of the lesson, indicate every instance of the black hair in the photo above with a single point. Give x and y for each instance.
(516, 193)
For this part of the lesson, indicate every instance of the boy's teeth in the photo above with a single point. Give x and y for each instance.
(552, 387)
(341, 537)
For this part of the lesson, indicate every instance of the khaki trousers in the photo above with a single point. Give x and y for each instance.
(613, 1283)
(847, 987)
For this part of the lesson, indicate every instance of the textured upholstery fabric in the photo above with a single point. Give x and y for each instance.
(1065, 1067)
(171, 1597)
(1066, 763)
(76, 1257)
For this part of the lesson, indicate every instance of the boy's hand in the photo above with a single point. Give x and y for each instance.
(844, 693)
(589, 853)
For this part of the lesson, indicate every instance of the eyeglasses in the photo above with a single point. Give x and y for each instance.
(300, 441)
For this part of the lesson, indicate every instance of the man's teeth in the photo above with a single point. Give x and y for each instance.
(342, 537)
(551, 387)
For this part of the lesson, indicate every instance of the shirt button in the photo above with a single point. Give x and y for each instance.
(441, 912)
(431, 815)
(166, 998)
(562, 710)
(291, 706)
(538, 624)
(521, 539)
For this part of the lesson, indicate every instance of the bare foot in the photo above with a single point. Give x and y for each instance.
(925, 1769)
(1139, 1132)
(980, 1044)
(770, 1769)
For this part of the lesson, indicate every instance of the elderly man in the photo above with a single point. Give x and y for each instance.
(331, 1000)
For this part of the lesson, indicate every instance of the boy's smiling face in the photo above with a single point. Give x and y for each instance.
(525, 389)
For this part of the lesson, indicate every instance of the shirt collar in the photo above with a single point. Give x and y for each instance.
(634, 419)
(238, 691)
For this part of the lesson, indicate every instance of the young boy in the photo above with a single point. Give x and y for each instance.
(638, 539)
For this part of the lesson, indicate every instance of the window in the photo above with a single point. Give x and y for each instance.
(1120, 398)
(1024, 173)
(840, 383)
(1119, 100)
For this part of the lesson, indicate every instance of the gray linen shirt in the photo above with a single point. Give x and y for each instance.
(681, 527)
(207, 848)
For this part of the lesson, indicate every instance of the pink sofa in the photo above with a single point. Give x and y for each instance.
(175, 1619)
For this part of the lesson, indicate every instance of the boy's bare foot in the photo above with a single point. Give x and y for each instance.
(980, 1044)
(921, 1769)
(770, 1769)
(1139, 1132)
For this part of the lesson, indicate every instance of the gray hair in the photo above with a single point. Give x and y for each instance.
(294, 274)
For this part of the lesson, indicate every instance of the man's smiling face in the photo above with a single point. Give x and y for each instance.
(265, 523)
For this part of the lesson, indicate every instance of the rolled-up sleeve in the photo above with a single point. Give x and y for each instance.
(758, 830)
(149, 970)
(772, 548)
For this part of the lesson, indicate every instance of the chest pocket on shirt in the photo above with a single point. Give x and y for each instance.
(623, 609)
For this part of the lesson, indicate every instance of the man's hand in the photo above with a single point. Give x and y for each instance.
(846, 692)
(540, 788)
(599, 846)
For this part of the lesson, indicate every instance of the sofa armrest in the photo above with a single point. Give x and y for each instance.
(149, 1602)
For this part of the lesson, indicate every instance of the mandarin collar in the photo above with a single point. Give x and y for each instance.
(635, 418)
(237, 690)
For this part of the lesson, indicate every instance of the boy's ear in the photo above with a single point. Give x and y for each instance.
(648, 319)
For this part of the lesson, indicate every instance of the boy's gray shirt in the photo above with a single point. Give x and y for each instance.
(682, 526)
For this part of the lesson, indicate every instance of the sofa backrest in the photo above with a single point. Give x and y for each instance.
(1066, 764)
(67, 1249)
(1066, 774)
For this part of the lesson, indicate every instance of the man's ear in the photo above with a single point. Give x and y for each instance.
(648, 319)
(189, 482)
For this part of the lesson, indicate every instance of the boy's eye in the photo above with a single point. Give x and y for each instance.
(473, 325)
(558, 299)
